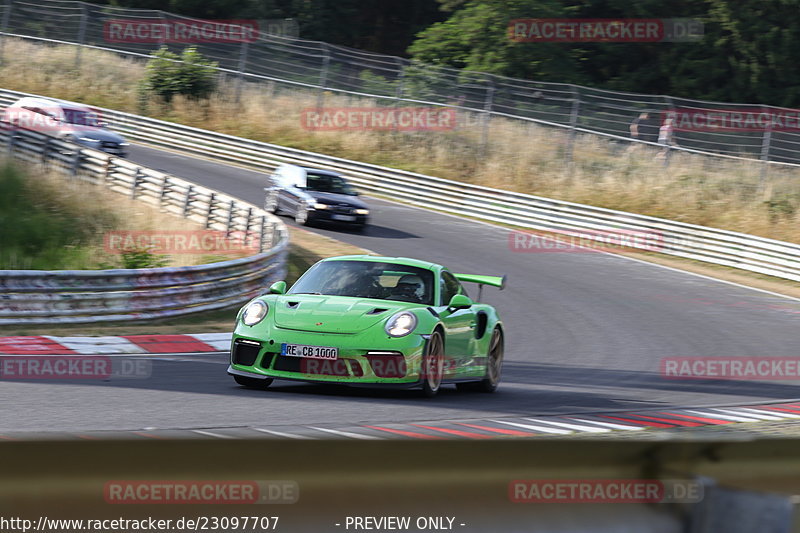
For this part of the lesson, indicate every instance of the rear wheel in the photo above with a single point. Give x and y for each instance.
(433, 365)
(494, 367)
(252, 383)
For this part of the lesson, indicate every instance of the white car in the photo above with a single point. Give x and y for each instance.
(65, 120)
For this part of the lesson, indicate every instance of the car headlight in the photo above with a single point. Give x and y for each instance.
(254, 313)
(320, 206)
(89, 140)
(362, 211)
(401, 324)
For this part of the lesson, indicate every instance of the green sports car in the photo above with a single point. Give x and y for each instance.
(367, 320)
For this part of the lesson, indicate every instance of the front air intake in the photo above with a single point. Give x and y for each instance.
(245, 352)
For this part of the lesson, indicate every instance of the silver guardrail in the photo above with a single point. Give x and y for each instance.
(710, 245)
(35, 297)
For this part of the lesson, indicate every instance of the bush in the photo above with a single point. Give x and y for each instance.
(143, 259)
(189, 74)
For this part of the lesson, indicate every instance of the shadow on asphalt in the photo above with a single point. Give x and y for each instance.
(527, 389)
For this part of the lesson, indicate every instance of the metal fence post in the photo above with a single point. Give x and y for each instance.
(401, 78)
(10, 144)
(765, 146)
(323, 75)
(187, 200)
(45, 148)
(76, 162)
(81, 34)
(4, 26)
(487, 113)
(135, 183)
(210, 209)
(262, 233)
(229, 225)
(164, 190)
(241, 69)
(573, 124)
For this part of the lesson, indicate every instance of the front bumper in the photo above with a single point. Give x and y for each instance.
(397, 362)
(327, 215)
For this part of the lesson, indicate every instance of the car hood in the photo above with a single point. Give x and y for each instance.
(332, 314)
(337, 199)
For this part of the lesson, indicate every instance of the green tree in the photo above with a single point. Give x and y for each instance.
(189, 74)
(746, 55)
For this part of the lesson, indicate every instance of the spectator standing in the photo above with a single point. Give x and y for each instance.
(666, 137)
(643, 128)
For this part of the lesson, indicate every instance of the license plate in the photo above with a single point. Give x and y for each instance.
(311, 352)
(343, 218)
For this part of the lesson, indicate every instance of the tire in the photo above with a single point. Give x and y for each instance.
(301, 216)
(271, 203)
(494, 367)
(432, 365)
(253, 383)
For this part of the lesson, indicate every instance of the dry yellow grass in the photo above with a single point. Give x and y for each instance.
(528, 158)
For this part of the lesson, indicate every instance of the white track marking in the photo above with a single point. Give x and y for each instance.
(752, 415)
(576, 427)
(212, 434)
(723, 417)
(284, 435)
(610, 425)
(534, 428)
(218, 341)
(782, 414)
(347, 434)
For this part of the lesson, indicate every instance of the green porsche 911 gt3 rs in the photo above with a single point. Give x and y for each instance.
(366, 320)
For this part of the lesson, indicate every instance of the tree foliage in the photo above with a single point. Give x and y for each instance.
(744, 56)
(189, 74)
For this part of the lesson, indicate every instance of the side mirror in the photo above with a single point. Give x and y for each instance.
(279, 287)
(460, 301)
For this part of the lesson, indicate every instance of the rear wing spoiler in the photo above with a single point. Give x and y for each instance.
(494, 281)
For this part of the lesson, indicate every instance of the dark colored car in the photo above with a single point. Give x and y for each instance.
(313, 195)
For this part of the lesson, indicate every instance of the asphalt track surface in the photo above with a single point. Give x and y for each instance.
(586, 332)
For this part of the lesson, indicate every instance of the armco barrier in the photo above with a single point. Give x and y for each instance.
(32, 296)
(710, 245)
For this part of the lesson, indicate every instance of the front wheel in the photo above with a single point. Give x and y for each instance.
(252, 383)
(433, 365)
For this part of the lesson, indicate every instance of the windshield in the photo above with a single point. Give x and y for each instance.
(80, 117)
(328, 183)
(368, 279)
